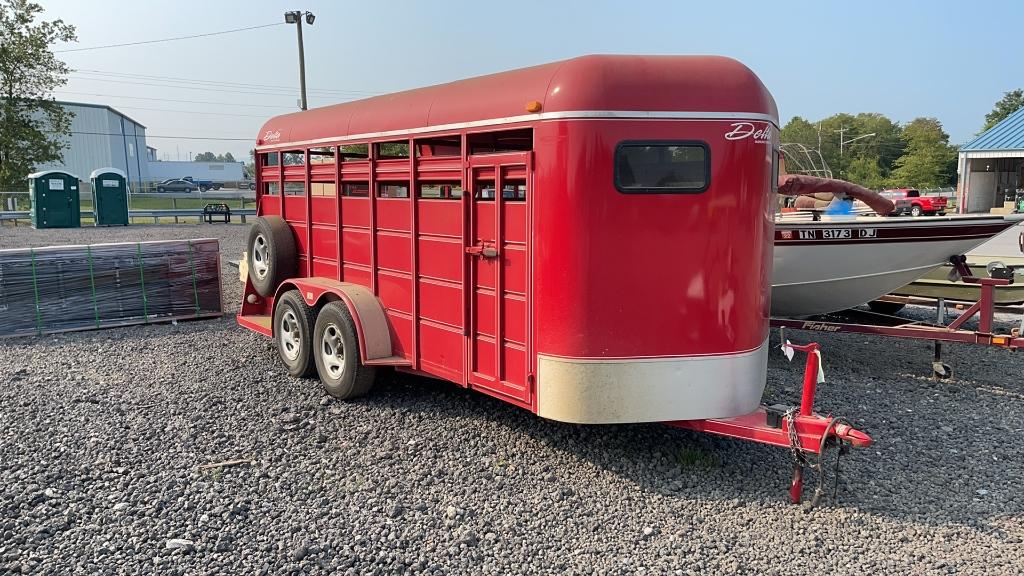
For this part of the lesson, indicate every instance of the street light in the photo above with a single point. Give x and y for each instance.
(295, 17)
(843, 143)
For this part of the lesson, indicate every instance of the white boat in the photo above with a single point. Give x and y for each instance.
(839, 262)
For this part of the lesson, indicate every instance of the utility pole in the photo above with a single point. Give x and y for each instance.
(842, 130)
(296, 17)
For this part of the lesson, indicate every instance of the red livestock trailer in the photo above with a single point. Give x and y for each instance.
(589, 240)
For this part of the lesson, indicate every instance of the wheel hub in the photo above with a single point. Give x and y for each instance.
(260, 257)
(332, 351)
(289, 335)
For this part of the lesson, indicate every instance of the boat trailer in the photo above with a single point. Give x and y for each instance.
(874, 323)
(806, 434)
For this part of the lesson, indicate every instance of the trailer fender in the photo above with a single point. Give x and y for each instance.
(371, 323)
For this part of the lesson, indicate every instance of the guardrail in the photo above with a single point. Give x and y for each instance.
(197, 213)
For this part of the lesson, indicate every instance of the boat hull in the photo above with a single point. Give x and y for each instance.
(828, 266)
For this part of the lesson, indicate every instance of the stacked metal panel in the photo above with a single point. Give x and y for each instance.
(64, 288)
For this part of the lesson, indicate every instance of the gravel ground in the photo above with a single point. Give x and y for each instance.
(101, 434)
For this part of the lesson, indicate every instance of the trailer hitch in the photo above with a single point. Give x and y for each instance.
(806, 434)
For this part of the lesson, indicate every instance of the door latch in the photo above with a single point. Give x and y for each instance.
(484, 251)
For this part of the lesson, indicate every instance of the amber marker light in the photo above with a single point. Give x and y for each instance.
(533, 106)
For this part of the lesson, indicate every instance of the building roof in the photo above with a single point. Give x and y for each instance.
(1006, 135)
(699, 85)
(89, 105)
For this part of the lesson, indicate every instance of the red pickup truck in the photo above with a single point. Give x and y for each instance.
(910, 201)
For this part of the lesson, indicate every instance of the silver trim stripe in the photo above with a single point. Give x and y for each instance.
(566, 115)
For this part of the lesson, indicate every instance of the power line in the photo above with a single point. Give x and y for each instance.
(165, 137)
(193, 112)
(219, 82)
(178, 101)
(271, 92)
(184, 87)
(169, 39)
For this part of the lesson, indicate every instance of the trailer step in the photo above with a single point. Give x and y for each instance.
(259, 322)
(389, 361)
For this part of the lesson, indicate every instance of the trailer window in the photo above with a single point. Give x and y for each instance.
(392, 150)
(270, 188)
(662, 167)
(441, 190)
(321, 156)
(439, 146)
(352, 152)
(269, 158)
(355, 189)
(519, 140)
(294, 188)
(293, 159)
(392, 190)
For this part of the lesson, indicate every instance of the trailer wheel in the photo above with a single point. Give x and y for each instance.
(271, 254)
(337, 354)
(293, 326)
(883, 307)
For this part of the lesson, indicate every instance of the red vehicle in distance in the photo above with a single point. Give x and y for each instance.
(911, 201)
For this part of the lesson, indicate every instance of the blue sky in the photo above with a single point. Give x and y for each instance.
(950, 60)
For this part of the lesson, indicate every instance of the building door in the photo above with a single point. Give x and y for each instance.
(497, 274)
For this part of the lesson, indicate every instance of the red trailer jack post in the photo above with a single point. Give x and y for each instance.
(807, 434)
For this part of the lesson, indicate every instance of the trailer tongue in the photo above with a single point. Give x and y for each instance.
(806, 434)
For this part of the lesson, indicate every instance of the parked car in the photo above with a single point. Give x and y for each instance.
(174, 185)
(911, 201)
(204, 185)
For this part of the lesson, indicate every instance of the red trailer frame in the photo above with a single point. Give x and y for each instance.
(863, 322)
(603, 257)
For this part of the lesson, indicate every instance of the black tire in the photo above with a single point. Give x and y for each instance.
(336, 332)
(883, 307)
(271, 254)
(252, 186)
(293, 326)
(915, 211)
(161, 189)
(203, 188)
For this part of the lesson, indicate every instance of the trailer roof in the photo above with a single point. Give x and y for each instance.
(597, 85)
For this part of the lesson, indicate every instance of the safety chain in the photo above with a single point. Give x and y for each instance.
(794, 440)
(818, 467)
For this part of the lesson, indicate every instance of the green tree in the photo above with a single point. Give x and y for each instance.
(1010, 103)
(799, 131)
(867, 161)
(211, 157)
(929, 161)
(33, 128)
(864, 170)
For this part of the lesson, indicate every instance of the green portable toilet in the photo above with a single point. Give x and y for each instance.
(55, 201)
(109, 197)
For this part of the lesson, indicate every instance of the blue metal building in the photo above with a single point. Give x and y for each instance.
(991, 167)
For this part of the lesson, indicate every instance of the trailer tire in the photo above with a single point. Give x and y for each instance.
(271, 254)
(293, 329)
(341, 370)
(883, 307)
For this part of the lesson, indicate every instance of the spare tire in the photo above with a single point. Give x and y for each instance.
(271, 254)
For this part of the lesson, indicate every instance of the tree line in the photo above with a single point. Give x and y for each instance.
(874, 151)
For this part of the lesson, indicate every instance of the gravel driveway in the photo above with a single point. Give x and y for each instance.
(102, 434)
